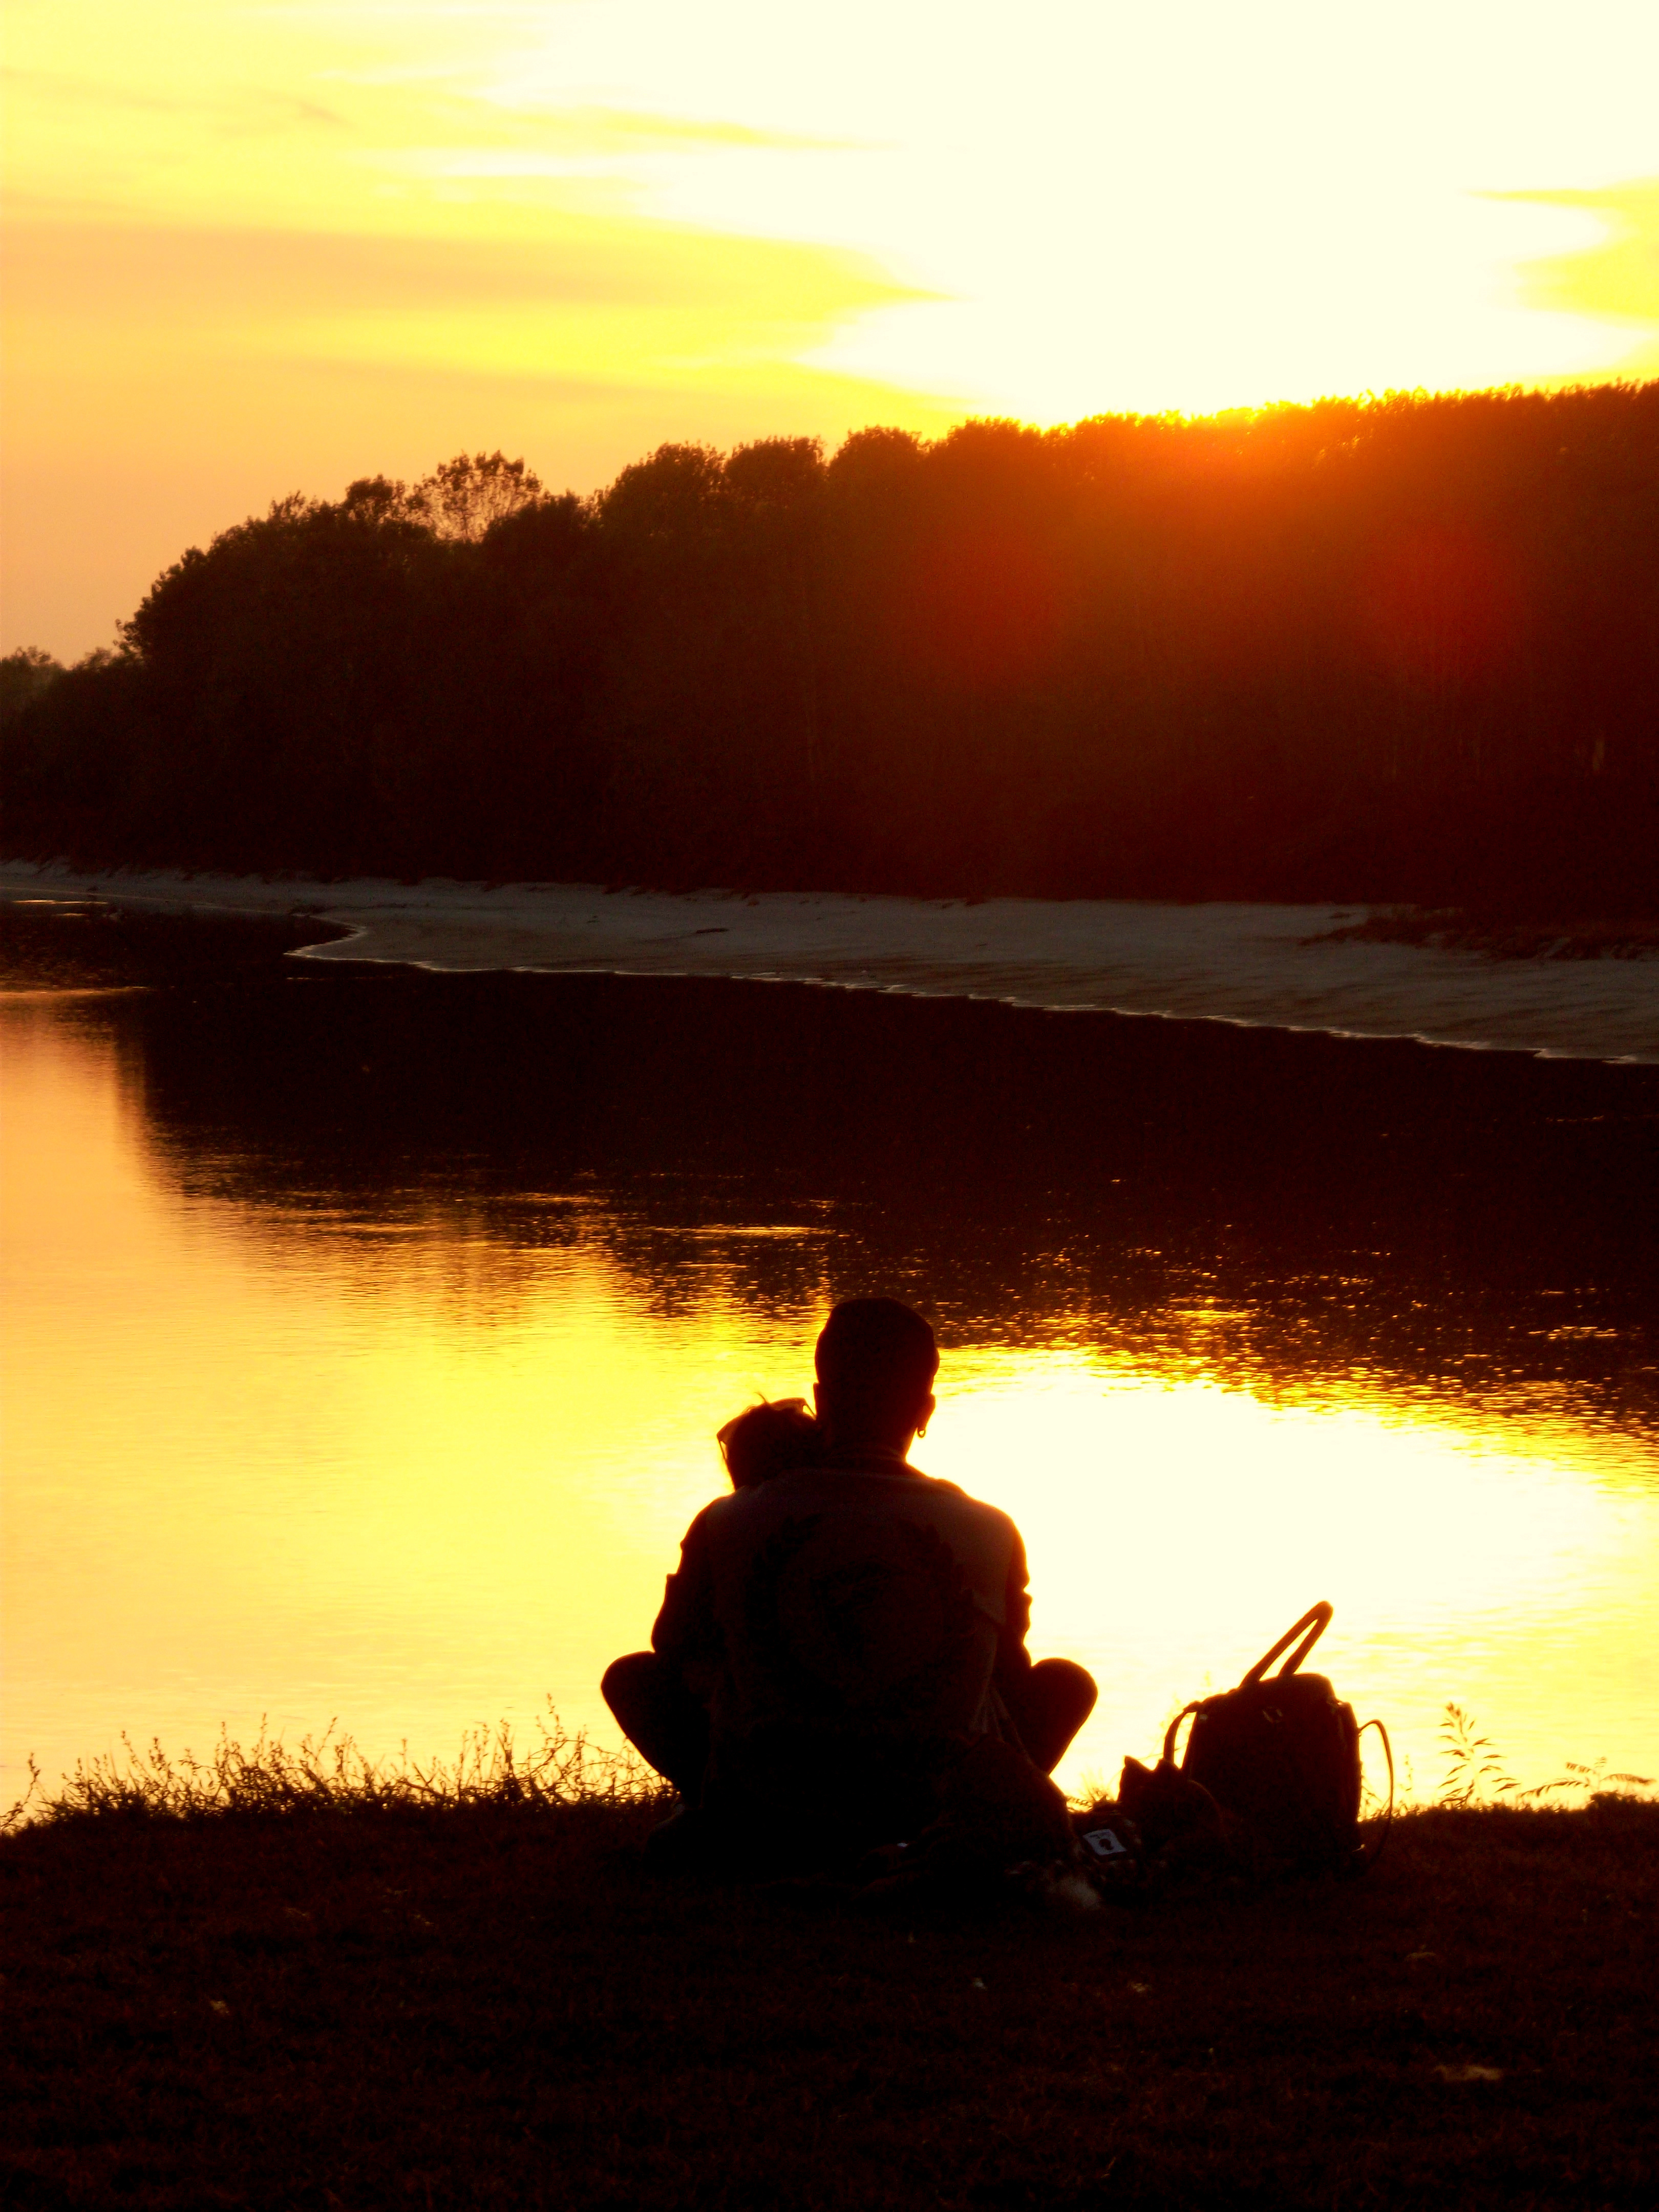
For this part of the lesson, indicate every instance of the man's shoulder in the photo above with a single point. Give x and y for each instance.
(904, 1489)
(855, 1488)
(939, 1486)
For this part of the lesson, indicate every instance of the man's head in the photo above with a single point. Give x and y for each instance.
(876, 1364)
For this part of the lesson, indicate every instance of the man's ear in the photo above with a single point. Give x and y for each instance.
(929, 1405)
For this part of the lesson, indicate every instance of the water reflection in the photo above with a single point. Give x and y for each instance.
(1260, 1205)
(369, 1334)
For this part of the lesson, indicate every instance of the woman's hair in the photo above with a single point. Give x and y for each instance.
(768, 1439)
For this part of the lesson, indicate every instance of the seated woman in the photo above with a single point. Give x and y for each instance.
(664, 1709)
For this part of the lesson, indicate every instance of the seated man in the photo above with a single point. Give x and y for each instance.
(839, 1637)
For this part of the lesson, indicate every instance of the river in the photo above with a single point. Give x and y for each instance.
(367, 1332)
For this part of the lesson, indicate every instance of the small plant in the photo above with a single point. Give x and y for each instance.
(1593, 1781)
(1474, 1772)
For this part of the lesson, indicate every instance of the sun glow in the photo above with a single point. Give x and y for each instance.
(260, 247)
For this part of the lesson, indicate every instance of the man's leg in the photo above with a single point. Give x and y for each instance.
(1054, 1700)
(660, 1718)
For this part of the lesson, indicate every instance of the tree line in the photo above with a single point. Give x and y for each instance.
(1404, 648)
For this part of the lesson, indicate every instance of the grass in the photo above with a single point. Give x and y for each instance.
(294, 1979)
(330, 1774)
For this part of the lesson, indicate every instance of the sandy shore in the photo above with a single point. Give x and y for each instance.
(1262, 965)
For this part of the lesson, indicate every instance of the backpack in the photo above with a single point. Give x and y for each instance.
(1278, 1758)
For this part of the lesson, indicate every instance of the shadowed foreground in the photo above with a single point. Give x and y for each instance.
(494, 2004)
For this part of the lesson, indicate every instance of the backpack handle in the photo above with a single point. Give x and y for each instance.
(1372, 1851)
(1315, 1620)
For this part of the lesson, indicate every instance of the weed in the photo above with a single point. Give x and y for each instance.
(1476, 1775)
(1593, 1781)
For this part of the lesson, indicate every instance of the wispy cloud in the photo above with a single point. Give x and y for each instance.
(242, 107)
(1616, 279)
(66, 266)
(529, 141)
(630, 130)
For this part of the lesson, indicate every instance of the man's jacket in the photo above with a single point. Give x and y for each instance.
(846, 1622)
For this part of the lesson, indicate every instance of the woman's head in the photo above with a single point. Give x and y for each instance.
(768, 1439)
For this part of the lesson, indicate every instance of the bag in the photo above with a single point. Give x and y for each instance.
(1280, 1756)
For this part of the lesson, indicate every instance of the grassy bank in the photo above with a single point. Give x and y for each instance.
(366, 2000)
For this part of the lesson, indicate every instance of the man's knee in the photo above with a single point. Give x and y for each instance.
(631, 1685)
(1067, 1688)
(660, 1716)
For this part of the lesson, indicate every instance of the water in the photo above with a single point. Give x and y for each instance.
(366, 1333)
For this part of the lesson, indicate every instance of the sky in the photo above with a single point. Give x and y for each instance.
(258, 249)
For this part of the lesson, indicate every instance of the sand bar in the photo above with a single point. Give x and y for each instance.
(1246, 963)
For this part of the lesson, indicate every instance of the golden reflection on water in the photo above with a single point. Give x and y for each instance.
(311, 1468)
(1174, 1527)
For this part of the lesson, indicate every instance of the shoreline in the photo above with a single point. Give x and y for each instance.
(1321, 967)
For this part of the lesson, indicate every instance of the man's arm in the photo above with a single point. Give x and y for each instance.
(1013, 1660)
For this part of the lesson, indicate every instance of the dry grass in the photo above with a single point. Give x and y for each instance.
(330, 1774)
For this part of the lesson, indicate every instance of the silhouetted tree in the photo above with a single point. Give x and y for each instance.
(465, 498)
(1395, 648)
(24, 675)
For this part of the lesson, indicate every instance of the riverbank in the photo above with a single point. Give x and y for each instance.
(1343, 970)
(495, 2005)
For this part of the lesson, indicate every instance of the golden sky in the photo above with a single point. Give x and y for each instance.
(256, 248)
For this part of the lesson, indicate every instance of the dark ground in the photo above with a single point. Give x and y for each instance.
(496, 2006)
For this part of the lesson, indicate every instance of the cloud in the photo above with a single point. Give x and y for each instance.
(68, 268)
(246, 107)
(622, 131)
(1615, 281)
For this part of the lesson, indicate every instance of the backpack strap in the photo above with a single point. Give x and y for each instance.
(1368, 1853)
(1315, 1620)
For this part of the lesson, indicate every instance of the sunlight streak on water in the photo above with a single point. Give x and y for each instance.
(311, 1464)
(1175, 1527)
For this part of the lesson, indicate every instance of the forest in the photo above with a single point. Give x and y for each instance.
(1395, 649)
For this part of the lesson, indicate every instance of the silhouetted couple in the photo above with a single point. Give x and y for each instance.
(842, 1655)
